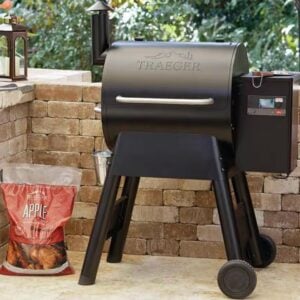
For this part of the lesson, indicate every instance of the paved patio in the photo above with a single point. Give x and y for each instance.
(150, 277)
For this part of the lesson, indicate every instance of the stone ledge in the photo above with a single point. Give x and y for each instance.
(22, 94)
(25, 91)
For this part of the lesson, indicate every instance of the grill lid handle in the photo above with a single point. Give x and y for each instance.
(172, 101)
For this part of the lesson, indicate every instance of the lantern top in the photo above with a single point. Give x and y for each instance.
(100, 6)
(11, 24)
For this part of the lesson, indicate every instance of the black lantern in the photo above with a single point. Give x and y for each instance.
(13, 50)
(100, 31)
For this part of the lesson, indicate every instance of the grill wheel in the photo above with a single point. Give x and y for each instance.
(237, 279)
(268, 251)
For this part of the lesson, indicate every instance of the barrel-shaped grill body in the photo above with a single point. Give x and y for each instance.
(171, 87)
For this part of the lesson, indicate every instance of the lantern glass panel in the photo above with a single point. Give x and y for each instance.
(4, 56)
(20, 56)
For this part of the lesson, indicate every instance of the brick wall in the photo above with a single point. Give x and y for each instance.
(171, 217)
(13, 148)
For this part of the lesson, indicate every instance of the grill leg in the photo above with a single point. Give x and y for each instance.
(241, 190)
(227, 217)
(118, 240)
(99, 232)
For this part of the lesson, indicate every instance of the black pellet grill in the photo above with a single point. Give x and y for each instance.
(191, 110)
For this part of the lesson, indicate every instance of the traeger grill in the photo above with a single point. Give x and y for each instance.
(191, 110)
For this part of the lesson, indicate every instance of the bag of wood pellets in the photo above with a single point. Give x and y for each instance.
(39, 201)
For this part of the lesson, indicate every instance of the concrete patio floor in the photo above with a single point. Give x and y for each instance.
(149, 278)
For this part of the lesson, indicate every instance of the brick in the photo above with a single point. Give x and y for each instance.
(178, 198)
(275, 233)
(205, 199)
(70, 159)
(4, 115)
(281, 219)
(91, 128)
(4, 235)
(59, 92)
(90, 194)
(87, 161)
(38, 109)
(19, 127)
(296, 171)
(255, 183)
(84, 210)
(291, 237)
(92, 93)
(100, 144)
(281, 186)
(17, 144)
(180, 231)
(149, 197)
(5, 131)
(71, 110)
(88, 177)
(2, 205)
(19, 111)
(77, 242)
(155, 214)
(74, 227)
(195, 185)
(146, 230)
(269, 202)
(256, 200)
(27, 97)
(3, 250)
(291, 203)
(287, 254)
(135, 246)
(87, 226)
(196, 215)
(202, 249)
(216, 219)
(55, 126)
(3, 219)
(4, 149)
(163, 247)
(159, 183)
(70, 143)
(21, 157)
(258, 214)
(37, 141)
(29, 157)
(260, 217)
(209, 233)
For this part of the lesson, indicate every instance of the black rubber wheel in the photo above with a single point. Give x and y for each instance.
(268, 250)
(237, 279)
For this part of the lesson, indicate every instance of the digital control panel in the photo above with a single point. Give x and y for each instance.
(266, 105)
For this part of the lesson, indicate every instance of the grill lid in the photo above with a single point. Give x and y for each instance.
(158, 86)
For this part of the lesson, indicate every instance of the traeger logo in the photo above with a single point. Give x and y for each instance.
(169, 61)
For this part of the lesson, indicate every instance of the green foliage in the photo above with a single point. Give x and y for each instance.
(61, 36)
(154, 21)
(268, 28)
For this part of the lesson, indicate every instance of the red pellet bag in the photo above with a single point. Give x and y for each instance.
(37, 215)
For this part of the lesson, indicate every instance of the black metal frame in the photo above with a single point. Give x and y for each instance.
(171, 155)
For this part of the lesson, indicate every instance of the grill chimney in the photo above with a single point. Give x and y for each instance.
(100, 31)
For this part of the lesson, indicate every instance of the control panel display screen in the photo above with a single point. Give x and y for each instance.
(266, 103)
